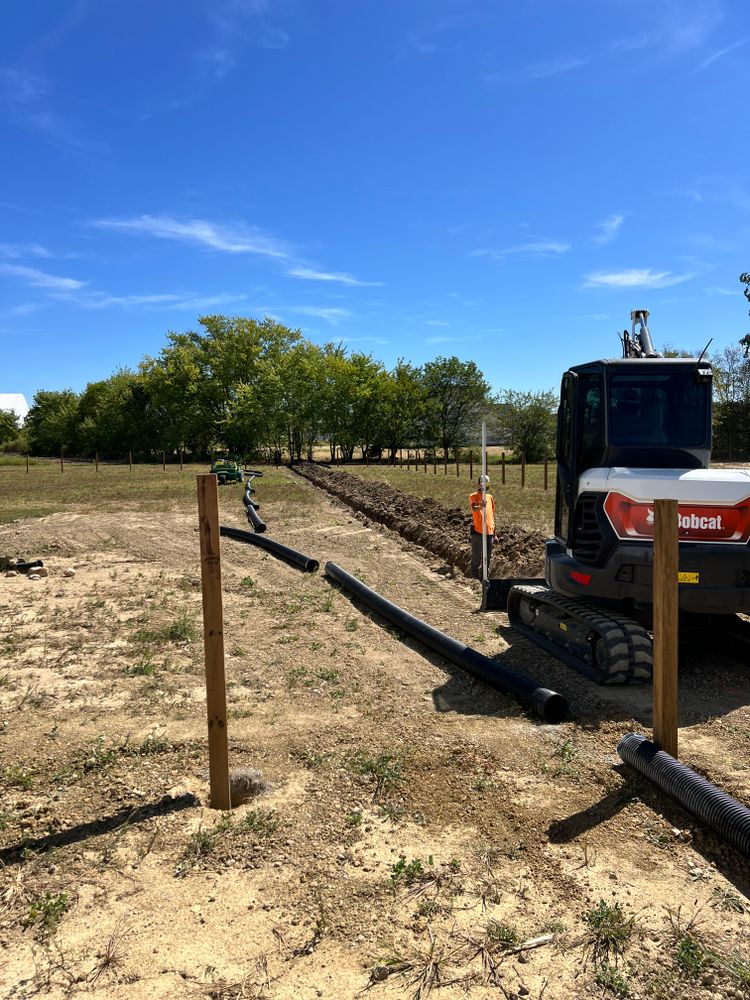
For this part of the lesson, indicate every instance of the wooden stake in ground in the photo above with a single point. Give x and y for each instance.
(213, 640)
(61, 461)
(434, 463)
(96, 461)
(546, 474)
(130, 460)
(523, 471)
(27, 464)
(471, 465)
(163, 462)
(666, 601)
(502, 468)
(181, 462)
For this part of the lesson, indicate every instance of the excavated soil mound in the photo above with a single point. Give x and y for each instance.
(444, 531)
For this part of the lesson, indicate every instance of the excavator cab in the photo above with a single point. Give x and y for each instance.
(646, 413)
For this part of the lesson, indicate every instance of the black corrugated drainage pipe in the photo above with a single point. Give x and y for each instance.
(550, 705)
(249, 502)
(304, 562)
(719, 811)
(254, 518)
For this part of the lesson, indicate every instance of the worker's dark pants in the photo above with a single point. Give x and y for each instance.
(476, 553)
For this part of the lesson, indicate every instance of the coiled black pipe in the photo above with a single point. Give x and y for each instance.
(550, 705)
(719, 811)
(292, 556)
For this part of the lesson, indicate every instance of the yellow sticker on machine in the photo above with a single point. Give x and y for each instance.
(688, 578)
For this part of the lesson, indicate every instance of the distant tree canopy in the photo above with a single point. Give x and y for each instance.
(250, 387)
(8, 425)
(528, 420)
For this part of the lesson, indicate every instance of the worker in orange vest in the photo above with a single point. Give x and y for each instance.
(475, 503)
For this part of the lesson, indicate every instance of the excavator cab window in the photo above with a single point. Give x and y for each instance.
(591, 447)
(669, 409)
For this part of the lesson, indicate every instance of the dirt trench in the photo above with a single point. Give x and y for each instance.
(444, 531)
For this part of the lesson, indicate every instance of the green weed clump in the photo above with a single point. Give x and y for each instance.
(47, 911)
(609, 932)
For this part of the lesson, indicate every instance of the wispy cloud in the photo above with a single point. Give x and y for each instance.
(330, 314)
(230, 239)
(40, 279)
(718, 55)
(634, 43)
(534, 248)
(542, 70)
(365, 340)
(216, 61)
(26, 101)
(248, 21)
(310, 274)
(715, 290)
(25, 309)
(166, 300)
(608, 229)
(436, 322)
(634, 278)
(18, 251)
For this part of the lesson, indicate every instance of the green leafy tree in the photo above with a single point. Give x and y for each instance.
(52, 422)
(9, 426)
(456, 392)
(528, 420)
(403, 405)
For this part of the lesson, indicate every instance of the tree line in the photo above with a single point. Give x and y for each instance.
(254, 387)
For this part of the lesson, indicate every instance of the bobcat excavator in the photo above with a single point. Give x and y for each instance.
(630, 431)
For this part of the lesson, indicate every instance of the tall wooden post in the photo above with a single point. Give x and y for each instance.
(523, 470)
(130, 460)
(434, 463)
(27, 463)
(502, 468)
(546, 474)
(61, 461)
(666, 603)
(213, 640)
(445, 461)
(163, 462)
(181, 462)
(471, 465)
(425, 463)
(458, 471)
(96, 461)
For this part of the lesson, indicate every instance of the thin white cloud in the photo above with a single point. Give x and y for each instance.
(542, 70)
(634, 43)
(330, 314)
(200, 232)
(718, 55)
(166, 300)
(247, 21)
(40, 279)
(534, 248)
(25, 309)
(20, 250)
(715, 290)
(216, 61)
(644, 277)
(310, 274)
(436, 322)
(608, 229)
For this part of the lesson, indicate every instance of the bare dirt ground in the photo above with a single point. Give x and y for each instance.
(419, 826)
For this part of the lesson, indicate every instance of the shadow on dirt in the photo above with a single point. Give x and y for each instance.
(729, 862)
(129, 816)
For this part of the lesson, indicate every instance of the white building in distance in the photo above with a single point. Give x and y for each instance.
(15, 401)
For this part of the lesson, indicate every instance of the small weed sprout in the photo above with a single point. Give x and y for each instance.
(19, 777)
(727, 899)
(612, 979)
(502, 934)
(385, 770)
(47, 911)
(408, 873)
(609, 932)
(262, 822)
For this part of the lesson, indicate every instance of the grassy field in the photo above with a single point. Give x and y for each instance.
(45, 490)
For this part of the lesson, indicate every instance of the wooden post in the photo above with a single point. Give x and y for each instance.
(666, 602)
(546, 474)
(471, 464)
(502, 468)
(213, 640)
(163, 462)
(96, 461)
(445, 461)
(27, 463)
(434, 463)
(401, 456)
(181, 462)
(425, 463)
(458, 470)
(130, 460)
(523, 470)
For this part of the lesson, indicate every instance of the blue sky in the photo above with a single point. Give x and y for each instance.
(501, 181)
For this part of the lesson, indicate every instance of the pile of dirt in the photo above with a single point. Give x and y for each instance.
(444, 531)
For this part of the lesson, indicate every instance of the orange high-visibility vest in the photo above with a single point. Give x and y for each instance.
(475, 502)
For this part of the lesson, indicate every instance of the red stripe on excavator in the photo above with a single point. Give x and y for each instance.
(634, 519)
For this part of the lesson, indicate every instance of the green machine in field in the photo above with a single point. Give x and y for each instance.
(228, 470)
